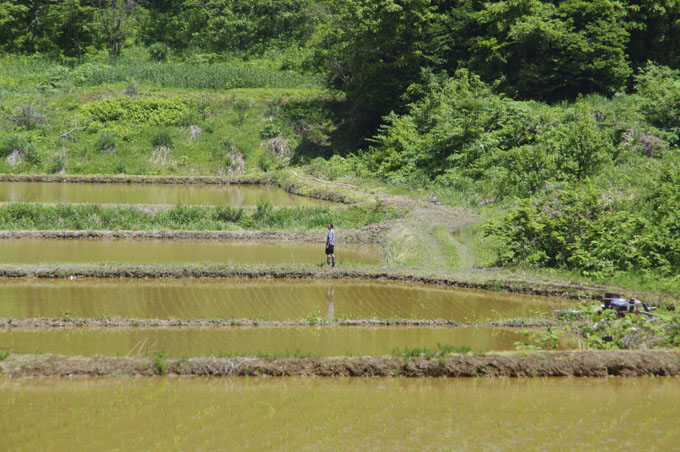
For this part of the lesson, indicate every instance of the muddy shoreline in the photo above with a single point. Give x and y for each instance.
(516, 364)
(476, 279)
(115, 322)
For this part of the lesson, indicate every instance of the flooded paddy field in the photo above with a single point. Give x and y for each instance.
(138, 193)
(34, 251)
(262, 299)
(341, 413)
(258, 341)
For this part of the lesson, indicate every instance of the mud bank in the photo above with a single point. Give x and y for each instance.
(474, 279)
(217, 323)
(538, 364)
(71, 322)
(362, 235)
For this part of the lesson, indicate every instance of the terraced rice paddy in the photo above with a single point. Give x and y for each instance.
(323, 341)
(35, 251)
(340, 414)
(273, 320)
(135, 193)
(262, 299)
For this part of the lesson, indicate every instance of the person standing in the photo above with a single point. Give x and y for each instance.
(330, 245)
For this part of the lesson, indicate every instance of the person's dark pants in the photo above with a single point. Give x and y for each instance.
(330, 251)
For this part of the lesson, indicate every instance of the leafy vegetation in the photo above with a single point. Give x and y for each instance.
(16, 216)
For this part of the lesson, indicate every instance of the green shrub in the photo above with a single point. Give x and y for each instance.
(27, 117)
(58, 163)
(162, 137)
(21, 148)
(658, 89)
(106, 142)
(143, 110)
(159, 52)
(587, 230)
(269, 131)
(228, 214)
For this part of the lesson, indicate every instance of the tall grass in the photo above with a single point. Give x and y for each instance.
(191, 76)
(23, 216)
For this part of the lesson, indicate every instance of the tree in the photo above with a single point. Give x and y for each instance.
(115, 17)
(550, 51)
(374, 50)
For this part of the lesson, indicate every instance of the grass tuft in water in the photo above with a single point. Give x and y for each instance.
(160, 363)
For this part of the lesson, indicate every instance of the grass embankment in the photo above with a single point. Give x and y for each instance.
(515, 364)
(464, 278)
(28, 216)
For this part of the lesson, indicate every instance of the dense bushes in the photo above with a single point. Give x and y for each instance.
(584, 229)
(462, 134)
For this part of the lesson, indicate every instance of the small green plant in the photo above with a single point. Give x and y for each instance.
(27, 117)
(106, 142)
(267, 160)
(440, 352)
(160, 363)
(548, 340)
(269, 131)
(314, 318)
(135, 323)
(379, 205)
(162, 137)
(58, 163)
(132, 88)
(3, 355)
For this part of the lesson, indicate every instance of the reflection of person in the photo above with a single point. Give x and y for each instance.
(330, 303)
(330, 245)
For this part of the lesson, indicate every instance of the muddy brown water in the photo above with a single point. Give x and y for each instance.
(252, 341)
(131, 193)
(268, 300)
(340, 414)
(35, 251)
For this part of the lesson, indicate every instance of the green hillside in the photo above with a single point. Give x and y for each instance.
(555, 122)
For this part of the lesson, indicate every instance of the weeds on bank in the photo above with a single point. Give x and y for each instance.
(264, 355)
(19, 216)
(607, 331)
(159, 362)
(4, 354)
(601, 329)
(440, 352)
(547, 340)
